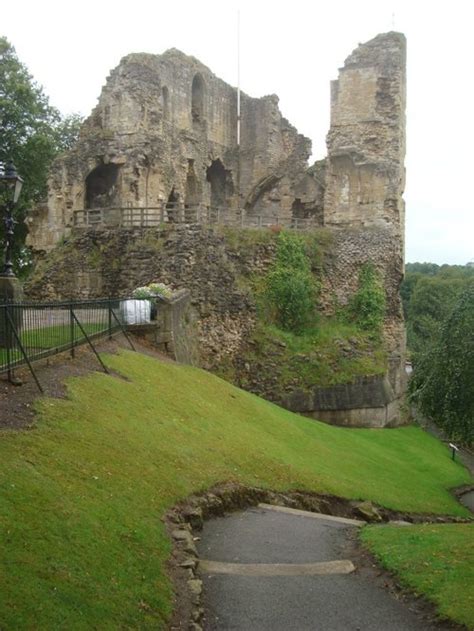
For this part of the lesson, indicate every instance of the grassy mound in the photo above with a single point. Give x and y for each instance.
(81, 495)
(329, 353)
(434, 560)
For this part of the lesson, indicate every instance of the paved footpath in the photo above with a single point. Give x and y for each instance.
(283, 570)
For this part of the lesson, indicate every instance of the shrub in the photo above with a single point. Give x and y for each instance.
(367, 306)
(289, 288)
(153, 290)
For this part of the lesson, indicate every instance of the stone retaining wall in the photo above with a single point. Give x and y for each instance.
(210, 323)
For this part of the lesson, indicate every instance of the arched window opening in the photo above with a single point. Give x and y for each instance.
(221, 183)
(165, 102)
(101, 186)
(298, 209)
(197, 100)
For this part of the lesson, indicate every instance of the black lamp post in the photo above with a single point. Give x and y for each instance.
(13, 184)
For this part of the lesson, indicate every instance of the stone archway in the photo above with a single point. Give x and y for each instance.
(101, 187)
(221, 184)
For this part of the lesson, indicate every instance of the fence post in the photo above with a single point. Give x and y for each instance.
(71, 329)
(110, 317)
(8, 338)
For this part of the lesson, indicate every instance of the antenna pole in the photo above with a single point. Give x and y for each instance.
(239, 209)
(238, 77)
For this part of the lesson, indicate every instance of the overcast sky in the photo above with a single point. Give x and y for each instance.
(291, 48)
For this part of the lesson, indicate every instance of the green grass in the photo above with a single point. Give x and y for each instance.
(47, 337)
(57, 335)
(434, 560)
(329, 353)
(82, 494)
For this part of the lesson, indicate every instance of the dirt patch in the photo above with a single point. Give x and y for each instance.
(17, 401)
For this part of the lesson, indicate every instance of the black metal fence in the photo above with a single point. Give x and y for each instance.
(33, 331)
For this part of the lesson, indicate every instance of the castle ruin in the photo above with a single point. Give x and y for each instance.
(161, 148)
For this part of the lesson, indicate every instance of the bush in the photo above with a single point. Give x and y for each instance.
(153, 290)
(290, 289)
(367, 307)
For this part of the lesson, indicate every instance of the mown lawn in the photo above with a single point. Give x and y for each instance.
(434, 560)
(82, 494)
(48, 337)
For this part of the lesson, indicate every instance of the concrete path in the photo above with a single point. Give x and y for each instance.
(282, 570)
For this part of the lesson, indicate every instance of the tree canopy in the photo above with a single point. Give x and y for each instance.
(429, 292)
(32, 132)
(442, 384)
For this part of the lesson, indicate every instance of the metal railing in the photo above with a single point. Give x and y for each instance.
(33, 331)
(156, 216)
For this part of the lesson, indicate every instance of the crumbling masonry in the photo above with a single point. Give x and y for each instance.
(161, 148)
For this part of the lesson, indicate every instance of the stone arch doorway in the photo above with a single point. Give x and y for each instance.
(221, 184)
(101, 187)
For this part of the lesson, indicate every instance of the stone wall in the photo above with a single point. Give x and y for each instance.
(164, 133)
(216, 268)
(367, 402)
(98, 263)
(174, 330)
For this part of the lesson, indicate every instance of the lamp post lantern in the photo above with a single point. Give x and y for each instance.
(13, 183)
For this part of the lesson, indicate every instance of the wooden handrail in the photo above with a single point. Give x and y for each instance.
(152, 216)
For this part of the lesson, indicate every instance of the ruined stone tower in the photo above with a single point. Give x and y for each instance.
(159, 153)
(366, 142)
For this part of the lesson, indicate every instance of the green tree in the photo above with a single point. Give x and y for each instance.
(367, 306)
(32, 132)
(407, 288)
(442, 383)
(431, 302)
(290, 290)
(429, 292)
